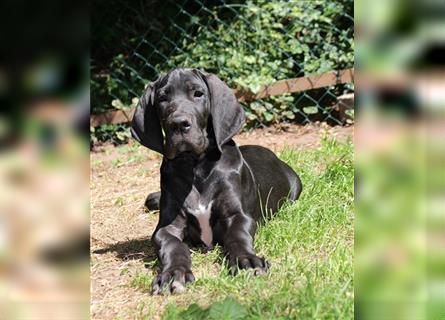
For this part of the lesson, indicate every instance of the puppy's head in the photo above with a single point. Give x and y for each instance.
(185, 111)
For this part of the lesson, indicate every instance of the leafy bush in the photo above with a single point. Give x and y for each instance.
(116, 133)
(269, 41)
(248, 45)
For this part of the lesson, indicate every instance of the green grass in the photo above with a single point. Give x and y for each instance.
(308, 243)
(141, 281)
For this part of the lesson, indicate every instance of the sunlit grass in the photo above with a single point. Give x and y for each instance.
(308, 243)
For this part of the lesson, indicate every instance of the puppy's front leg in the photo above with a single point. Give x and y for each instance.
(238, 244)
(174, 255)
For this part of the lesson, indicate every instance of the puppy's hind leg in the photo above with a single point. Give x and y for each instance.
(152, 201)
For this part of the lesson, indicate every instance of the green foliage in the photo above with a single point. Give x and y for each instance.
(269, 41)
(247, 44)
(141, 281)
(116, 133)
(227, 309)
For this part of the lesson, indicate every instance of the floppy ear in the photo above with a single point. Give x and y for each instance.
(146, 128)
(227, 114)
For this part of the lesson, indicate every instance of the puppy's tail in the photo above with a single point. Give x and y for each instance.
(153, 200)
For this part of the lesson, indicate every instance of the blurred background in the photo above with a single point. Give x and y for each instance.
(44, 167)
(400, 156)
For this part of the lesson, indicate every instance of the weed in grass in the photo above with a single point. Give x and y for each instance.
(141, 280)
(96, 163)
(124, 271)
(116, 163)
(228, 309)
(119, 202)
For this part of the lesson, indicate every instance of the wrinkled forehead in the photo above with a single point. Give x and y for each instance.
(180, 79)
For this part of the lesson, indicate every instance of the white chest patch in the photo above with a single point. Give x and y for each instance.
(202, 214)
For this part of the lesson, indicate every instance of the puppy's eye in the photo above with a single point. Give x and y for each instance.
(198, 93)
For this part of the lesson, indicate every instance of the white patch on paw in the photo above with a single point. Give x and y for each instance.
(178, 287)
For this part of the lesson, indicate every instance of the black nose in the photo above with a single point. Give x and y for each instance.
(182, 124)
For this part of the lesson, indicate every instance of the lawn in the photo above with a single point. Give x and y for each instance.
(308, 243)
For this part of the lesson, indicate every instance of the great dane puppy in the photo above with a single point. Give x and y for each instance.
(212, 191)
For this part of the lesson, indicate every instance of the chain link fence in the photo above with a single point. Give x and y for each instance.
(247, 44)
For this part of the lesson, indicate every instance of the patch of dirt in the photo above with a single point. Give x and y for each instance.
(121, 178)
(294, 136)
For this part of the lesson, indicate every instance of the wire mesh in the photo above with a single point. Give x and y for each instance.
(246, 43)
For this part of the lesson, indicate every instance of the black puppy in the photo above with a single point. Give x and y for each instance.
(212, 191)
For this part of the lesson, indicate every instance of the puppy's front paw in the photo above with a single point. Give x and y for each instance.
(172, 281)
(248, 261)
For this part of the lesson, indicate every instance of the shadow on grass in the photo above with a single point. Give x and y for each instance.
(136, 249)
